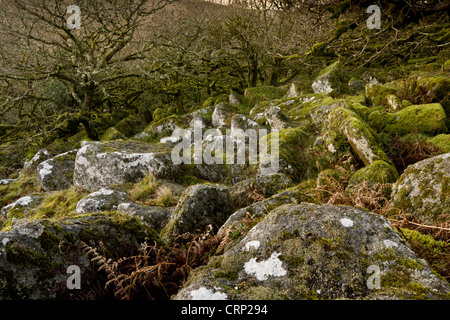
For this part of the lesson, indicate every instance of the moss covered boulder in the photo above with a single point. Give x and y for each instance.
(112, 134)
(362, 138)
(163, 126)
(377, 94)
(293, 154)
(35, 256)
(153, 216)
(129, 125)
(435, 88)
(442, 141)
(331, 79)
(57, 173)
(250, 190)
(240, 122)
(294, 195)
(311, 251)
(426, 118)
(21, 205)
(222, 114)
(101, 200)
(103, 164)
(40, 156)
(277, 119)
(199, 206)
(376, 172)
(423, 190)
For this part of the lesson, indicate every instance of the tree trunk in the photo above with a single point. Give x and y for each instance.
(85, 117)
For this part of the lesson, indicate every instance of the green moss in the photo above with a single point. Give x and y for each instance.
(377, 94)
(442, 141)
(427, 118)
(318, 48)
(406, 103)
(436, 87)
(230, 275)
(25, 185)
(18, 255)
(376, 172)
(446, 66)
(112, 134)
(123, 226)
(188, 180)
(160, 114)
(435, 252)
(336, 75)
(208, 102)
(363, 139)
(263, 93)
(58, 204)
(361, 110)
(129, 126)
(48, 240)
(143, 191)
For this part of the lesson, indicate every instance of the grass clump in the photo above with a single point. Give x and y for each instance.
(164, 197)
(59, 204)
(24, 185)
(142, 191)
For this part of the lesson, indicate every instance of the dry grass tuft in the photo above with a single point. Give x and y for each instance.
(164, 197)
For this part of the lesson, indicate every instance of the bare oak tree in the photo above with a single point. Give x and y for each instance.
(38, 45)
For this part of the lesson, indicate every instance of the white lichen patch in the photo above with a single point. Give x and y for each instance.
(262, 270)
(251, 244)
(101, 192)
(170, 140)
(207, 294)
(24, 201)
(363, 146)
(322, 85)
(45, 169)
(33, 230)
(346, 222)
(6, 181)
(390, 244)
(5, 241)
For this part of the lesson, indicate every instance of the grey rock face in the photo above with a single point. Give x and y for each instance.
(40, 156)
(222, 114)
(99, 165)
(241, 122)
(57, 173)
(263, 207)
(35, 255)
(422, 191)
(23, 204)
(153, 216)
(233, 99)
(332, 78)
(292, 93)
(101, 200)
(277, 119)
(266, 186)
(311, 251)
(199, 206)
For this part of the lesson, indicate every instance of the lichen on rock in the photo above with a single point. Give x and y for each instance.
(103, 164)
(318, 252)
(422, 191)
(57, 173)
(199, 206)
